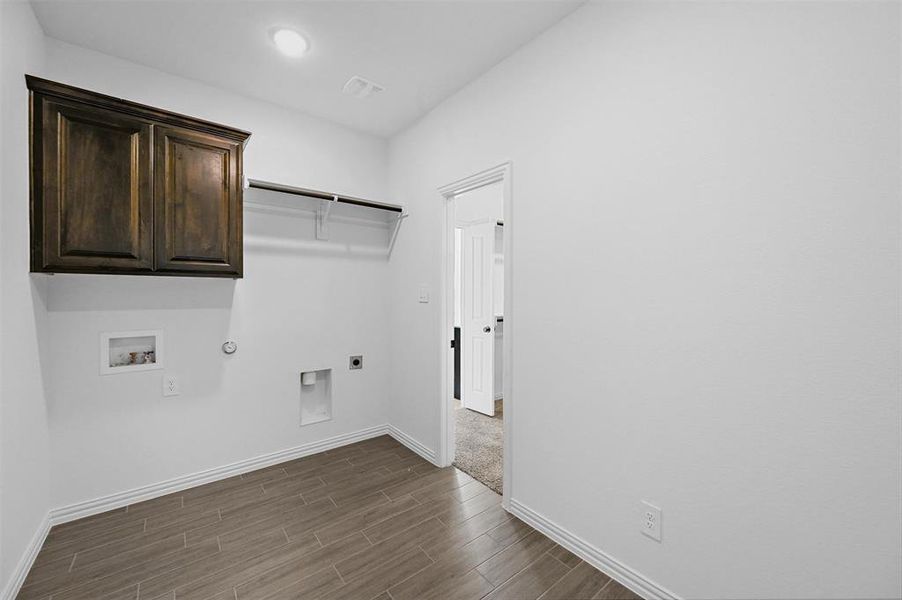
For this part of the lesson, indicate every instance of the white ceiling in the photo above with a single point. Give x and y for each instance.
(421, 51)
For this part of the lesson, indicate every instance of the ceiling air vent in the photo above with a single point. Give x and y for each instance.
(359, 87)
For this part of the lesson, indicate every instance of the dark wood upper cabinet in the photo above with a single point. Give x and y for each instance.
(119, 187)
(96, 200)
(197, 201)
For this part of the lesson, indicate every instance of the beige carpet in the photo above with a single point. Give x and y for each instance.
(479, 445)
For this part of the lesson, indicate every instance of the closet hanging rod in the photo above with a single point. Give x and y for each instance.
(287, 189)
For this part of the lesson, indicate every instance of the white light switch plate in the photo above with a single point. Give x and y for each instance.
(651, 521)
(424, 294)
(171, 385)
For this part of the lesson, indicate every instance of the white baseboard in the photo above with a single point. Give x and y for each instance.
(148, 492)
(592, 555)
(31, 552)
(412, 443)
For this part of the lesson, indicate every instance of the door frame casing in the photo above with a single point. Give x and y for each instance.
(498, 174)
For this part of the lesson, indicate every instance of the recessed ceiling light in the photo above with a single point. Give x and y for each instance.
(290, 42)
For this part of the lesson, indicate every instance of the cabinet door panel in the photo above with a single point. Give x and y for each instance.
(95, 185)
(197, 191)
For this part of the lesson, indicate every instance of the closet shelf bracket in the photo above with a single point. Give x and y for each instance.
(394, 234)
(322, 218)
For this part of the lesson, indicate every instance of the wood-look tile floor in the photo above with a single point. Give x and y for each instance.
(368, 521)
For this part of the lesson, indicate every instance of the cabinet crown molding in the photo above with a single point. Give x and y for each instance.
(68, 92)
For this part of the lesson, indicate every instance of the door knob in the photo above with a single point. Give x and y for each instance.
(487, 329)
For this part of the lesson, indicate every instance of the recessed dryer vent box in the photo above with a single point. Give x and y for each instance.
(316, 396)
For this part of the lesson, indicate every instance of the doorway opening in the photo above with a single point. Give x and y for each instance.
(476, 391)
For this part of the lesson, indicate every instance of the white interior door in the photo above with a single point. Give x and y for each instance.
(477, 318)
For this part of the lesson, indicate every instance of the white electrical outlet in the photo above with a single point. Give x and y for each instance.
(171, 385)
(651, 521)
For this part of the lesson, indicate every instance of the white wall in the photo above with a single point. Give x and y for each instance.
(706, 286)
(24, 461)
(484, 203)
(297, 308)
